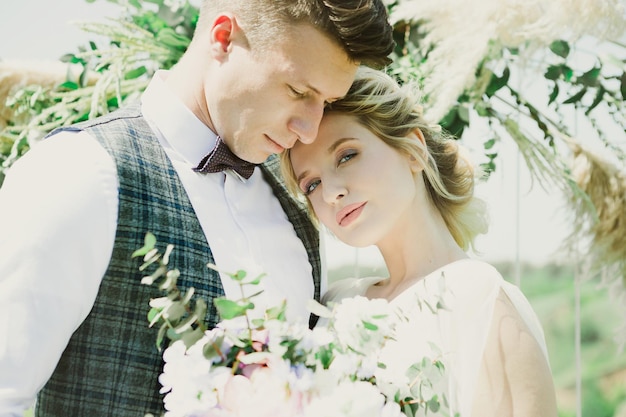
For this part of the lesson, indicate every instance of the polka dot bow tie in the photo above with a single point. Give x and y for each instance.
(221, 158)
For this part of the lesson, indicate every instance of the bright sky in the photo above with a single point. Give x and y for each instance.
(40, 30)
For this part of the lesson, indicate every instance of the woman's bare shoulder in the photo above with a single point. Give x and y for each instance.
(515, 377)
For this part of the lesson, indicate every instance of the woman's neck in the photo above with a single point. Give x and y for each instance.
(415, 249)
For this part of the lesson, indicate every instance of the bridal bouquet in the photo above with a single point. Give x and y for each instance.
(271, 367)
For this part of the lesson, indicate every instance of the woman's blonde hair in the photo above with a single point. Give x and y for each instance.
(392, 112)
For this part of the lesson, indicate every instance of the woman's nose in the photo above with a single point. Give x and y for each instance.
(333, 191)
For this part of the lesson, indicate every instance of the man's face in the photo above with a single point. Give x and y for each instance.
(265, 102)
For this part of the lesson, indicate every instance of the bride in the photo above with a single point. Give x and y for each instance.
(378, 174)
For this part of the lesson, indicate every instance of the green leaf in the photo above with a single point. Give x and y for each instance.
(154, 315)
(190, 338)
(464, 114)
(158, 273)
(325, 356)
(229, 309)
(568, 73)
(186, 325)
(149, 258)
(169, 37)
(112, 103)
(277, 312)
(489, 144)
(449, 117)
(553, 72)
(433, 404)
(211, 349)
(239, 275)
(135, 73)
(257, 280)
(185, 300)
(72, 59)
(369, 326)
(148, 245)
(200, 308)
(560, 48)
(171, 278)
(554, 94)
(590, 78)
(68, 85)
(166, 255)
(453, 123)
(258, 323)
(82, 79)
(172, 335)
(482, 108)
(497, 83)
(174, 312)
(161, 336)
(576, 97)
(597, 100)
(623, 85)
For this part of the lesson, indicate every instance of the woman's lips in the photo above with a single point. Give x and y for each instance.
(349, 213)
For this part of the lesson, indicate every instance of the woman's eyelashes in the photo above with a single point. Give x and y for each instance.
(310, 186)
(345, 156)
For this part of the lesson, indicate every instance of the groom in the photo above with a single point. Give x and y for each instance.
(255, 78)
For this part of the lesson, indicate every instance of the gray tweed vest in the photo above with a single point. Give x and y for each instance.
(111, 364)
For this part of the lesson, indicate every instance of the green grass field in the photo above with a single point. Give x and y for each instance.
(551, 291)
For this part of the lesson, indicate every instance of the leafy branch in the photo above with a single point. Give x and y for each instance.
(178, 314)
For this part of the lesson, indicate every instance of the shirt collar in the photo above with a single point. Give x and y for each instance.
(182, 130)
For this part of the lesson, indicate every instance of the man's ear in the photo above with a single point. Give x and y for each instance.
(223, 30)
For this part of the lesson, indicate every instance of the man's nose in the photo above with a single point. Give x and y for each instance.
(306, 124)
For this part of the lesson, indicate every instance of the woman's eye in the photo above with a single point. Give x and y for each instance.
(346, 156)
(309, 187)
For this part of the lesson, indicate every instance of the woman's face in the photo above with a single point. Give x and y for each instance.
(360, 188)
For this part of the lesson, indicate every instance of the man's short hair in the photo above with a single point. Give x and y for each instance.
(360, 27)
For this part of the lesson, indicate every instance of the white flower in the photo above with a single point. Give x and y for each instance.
(348, 399)
(186, 382)
(264, 394)
(284, 369)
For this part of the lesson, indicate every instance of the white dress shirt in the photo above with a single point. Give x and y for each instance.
(58, 218)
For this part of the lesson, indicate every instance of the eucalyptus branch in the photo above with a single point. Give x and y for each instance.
(179, 320)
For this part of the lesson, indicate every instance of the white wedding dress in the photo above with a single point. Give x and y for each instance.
(468, 289)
